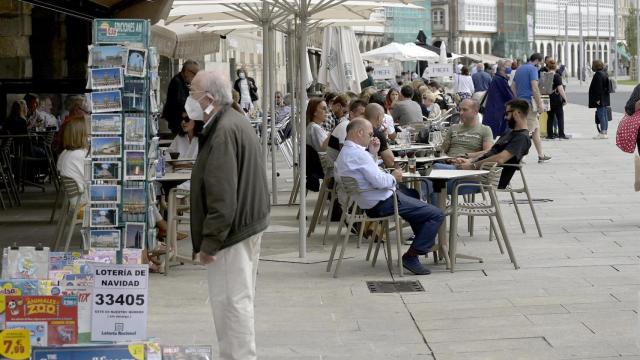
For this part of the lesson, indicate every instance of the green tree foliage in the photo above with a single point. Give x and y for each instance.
(631, 31)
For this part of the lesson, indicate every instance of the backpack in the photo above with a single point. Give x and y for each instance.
(546, 82)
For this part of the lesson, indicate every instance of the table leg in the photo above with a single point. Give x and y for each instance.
(440, 187)
(172, 240)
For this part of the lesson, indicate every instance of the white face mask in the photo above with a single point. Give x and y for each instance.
(242, 75)
(194, 111)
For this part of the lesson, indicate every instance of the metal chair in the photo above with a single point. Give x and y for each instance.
(69, 215)
(357, 215)
(6, 147)
(508, 188)
(325, 194)
(487, 207)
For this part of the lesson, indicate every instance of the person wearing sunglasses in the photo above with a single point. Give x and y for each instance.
(186, 141)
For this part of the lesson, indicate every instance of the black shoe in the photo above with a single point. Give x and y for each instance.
(564, 137)
(412, 263)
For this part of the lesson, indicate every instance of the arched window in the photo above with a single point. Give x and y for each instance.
(549, 49)
(463, 47)
(479, 47)
(361, 47)
(559, 55)
(471, 47)
(535, 47)
(487, 50)
(368, 46)
(588, 53)
(606, 53)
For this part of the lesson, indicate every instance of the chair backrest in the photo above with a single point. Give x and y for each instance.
(507, 174)
(327, 165)
(70, 187)
(349, 185)
(493, 177)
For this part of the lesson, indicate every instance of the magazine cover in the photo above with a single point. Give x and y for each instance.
(15, 287)
(60, 314)
(83, 293)
(60, 260)
(37, 330)
(187, 352)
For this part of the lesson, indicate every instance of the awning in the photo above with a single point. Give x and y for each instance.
(483, 58)
(182, 41)
(154, 10)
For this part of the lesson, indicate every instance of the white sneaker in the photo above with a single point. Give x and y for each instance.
(599, 136)
(604, 136)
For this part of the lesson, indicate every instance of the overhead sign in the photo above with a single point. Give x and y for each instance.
(116, 31)
(436, 70)
(120, 302)
(383, 72)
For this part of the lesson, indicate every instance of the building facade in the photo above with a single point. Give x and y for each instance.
(516, 28)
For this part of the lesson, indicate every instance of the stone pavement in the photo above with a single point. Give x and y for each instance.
(575, 296)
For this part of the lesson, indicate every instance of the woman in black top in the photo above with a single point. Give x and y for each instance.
(558, 99)
(599, 97)
(16, 123)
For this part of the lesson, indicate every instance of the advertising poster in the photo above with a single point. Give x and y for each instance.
(120, 302)
(18, 288)
(59, 313)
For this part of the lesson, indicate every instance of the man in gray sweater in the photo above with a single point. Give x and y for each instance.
(229, 211)
(406, 111)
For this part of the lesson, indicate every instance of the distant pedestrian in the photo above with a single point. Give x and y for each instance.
(229, 212)
(558, 100)
(463, 84)
(599, 97)
(498, 95)
(481, 79)
(246, 87)
(525, 87)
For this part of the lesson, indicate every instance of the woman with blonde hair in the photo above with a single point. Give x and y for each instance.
(75, 148)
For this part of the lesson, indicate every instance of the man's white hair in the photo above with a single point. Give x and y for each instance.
(216, 84)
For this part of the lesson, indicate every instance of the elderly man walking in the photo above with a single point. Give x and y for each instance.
(229, 211)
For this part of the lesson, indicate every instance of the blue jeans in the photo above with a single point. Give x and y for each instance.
(424, 219)
(603, 116)
(463, 190)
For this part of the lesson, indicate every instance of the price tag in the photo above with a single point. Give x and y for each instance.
(15, 344)
(137, 351)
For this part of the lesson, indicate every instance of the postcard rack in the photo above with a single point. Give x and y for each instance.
(124, 85)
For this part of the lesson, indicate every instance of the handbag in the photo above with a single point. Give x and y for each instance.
(483, 102)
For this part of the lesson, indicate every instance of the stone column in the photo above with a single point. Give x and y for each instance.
(15, 30)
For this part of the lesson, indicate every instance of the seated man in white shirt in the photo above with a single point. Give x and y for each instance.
(377, 200)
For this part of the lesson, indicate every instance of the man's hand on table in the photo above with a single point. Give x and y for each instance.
(463, 164)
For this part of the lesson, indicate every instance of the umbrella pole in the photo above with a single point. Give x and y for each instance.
(291, 66)
(302, 98)
(272, 91)
(265, 88)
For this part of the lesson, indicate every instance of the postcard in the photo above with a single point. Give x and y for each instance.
(106, 78)
(106, 124)
(106, 101)
(107, 56)
(104, 239)
(104, 217)
(134, 130)
(136, 62)
(134, 200)
(133, 98)
(134, 165)
(104, 194)
(105, 170)
(106, 146)
(134, 235)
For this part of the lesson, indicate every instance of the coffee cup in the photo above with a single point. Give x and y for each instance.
(174, 155)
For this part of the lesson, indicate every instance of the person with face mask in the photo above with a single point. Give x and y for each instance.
(510, 148)
(246, 87)
(498, 94)
(229, 211)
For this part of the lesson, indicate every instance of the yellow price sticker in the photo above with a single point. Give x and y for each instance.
(15, 344)
(137, 351)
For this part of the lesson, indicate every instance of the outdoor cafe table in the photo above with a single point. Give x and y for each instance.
(169, 181)
(411, 147)
(439, 178)
(422, 159)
